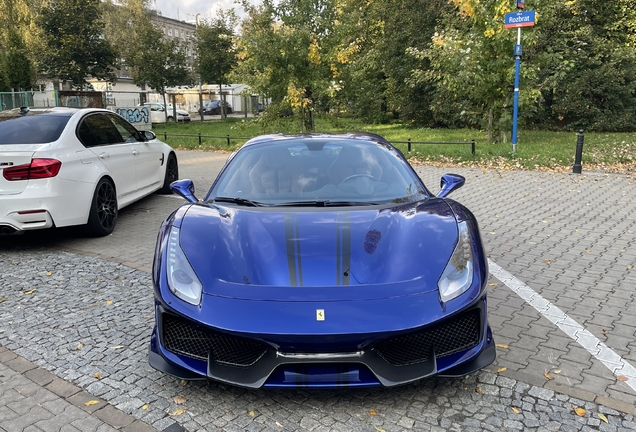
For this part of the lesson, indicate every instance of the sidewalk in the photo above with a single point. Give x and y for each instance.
(34, 399)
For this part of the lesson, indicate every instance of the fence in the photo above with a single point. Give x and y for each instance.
(187, 100)
(38, 99)
(410, 143)
(228, 139)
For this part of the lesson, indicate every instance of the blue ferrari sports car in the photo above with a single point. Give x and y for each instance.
(320, 261)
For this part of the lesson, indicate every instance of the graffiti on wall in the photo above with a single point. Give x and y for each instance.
(134, 115)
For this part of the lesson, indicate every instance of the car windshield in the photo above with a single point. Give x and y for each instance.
(32, 128)
(317, 172)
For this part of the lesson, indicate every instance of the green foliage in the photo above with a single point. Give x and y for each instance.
(19, 70)
(156, 61)
(75, 48)
(587, 65)
(216, 54)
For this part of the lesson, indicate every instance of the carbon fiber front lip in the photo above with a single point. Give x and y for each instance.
(256, 375)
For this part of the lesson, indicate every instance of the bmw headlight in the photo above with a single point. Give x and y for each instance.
(182, 280)
(458, 274)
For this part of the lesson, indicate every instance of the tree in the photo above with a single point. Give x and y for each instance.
(75, 46)
(216, 54)
(287, 51)
(376, 70)
(158, 62)
(20, 71)
(587, 65)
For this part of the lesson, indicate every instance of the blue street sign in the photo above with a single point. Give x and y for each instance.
(519, 19)
(517, 49)
(520, 4)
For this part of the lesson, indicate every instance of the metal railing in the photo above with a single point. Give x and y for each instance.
(409, 143)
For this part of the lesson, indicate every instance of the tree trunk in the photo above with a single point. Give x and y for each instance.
(165, 105)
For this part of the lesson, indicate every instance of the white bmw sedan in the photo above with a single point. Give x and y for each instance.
(67, 166)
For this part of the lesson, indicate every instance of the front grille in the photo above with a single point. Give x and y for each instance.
(457, 334)
(185, 338)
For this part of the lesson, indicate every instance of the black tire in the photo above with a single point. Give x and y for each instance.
(102, 217)
(172, 174)
(170, 119)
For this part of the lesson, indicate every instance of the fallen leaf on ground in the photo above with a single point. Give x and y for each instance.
(508, 250)
(492, 284)
(621, 378)
(373, 412)
(579, 411)
(80, 345)
(605, 331)
(48, 273)
(515, 410)
(30, 291)
(178, 412)
(504, 346)
(602, 417)
(179, 400)
(501, 369)
(2, 299)
(184, 383)
(91, 402)
(548, 376)
(278, 424)
(252, 414)
(548, 262)
(378, 428)
(117, 347)
(558, 371)
(478, 390)
(98, 375)
(109, 302)
(145, 407)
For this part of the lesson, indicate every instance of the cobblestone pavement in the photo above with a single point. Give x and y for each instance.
(569, 238)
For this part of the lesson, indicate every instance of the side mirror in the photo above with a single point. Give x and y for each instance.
(185, 189)
(449, 183)
(148, 135)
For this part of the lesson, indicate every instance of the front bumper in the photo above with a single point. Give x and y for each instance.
(349, 361)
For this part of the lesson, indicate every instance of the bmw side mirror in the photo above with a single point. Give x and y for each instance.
(185, 189)
(149, 135)
(449, 183)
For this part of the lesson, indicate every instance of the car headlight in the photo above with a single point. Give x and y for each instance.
(458, 274)
(182, 280)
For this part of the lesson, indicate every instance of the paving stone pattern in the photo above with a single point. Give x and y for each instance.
(570, 238)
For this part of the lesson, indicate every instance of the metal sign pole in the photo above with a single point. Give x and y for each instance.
(515, 112)
(517, 20)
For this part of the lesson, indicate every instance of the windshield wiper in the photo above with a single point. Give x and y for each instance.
(323, 203)
(239, 201)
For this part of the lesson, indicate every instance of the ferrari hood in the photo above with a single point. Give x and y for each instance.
(235, 248)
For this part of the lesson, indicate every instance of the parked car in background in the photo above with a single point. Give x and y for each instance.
(320, 261)
(158, 113)
(67, 166)
(214, 108)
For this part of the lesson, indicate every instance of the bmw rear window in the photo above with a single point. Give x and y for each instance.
(32, 129)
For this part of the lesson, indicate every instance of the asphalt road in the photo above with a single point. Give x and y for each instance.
(562, 310)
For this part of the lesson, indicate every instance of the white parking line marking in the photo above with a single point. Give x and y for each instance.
(615, 363)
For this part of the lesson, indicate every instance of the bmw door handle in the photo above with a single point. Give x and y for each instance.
(104, 155)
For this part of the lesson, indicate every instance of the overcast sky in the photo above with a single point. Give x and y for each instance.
(179, 9)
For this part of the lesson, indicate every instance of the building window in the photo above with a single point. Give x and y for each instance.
(169, 32)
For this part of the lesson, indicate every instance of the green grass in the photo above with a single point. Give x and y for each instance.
(535, 149)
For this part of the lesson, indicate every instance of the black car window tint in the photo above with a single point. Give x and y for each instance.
(103, 129)
(32, 129)
(126, 130)
(85, 135)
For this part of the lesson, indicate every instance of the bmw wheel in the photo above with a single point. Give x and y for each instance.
(103, 213)
(172, 174)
